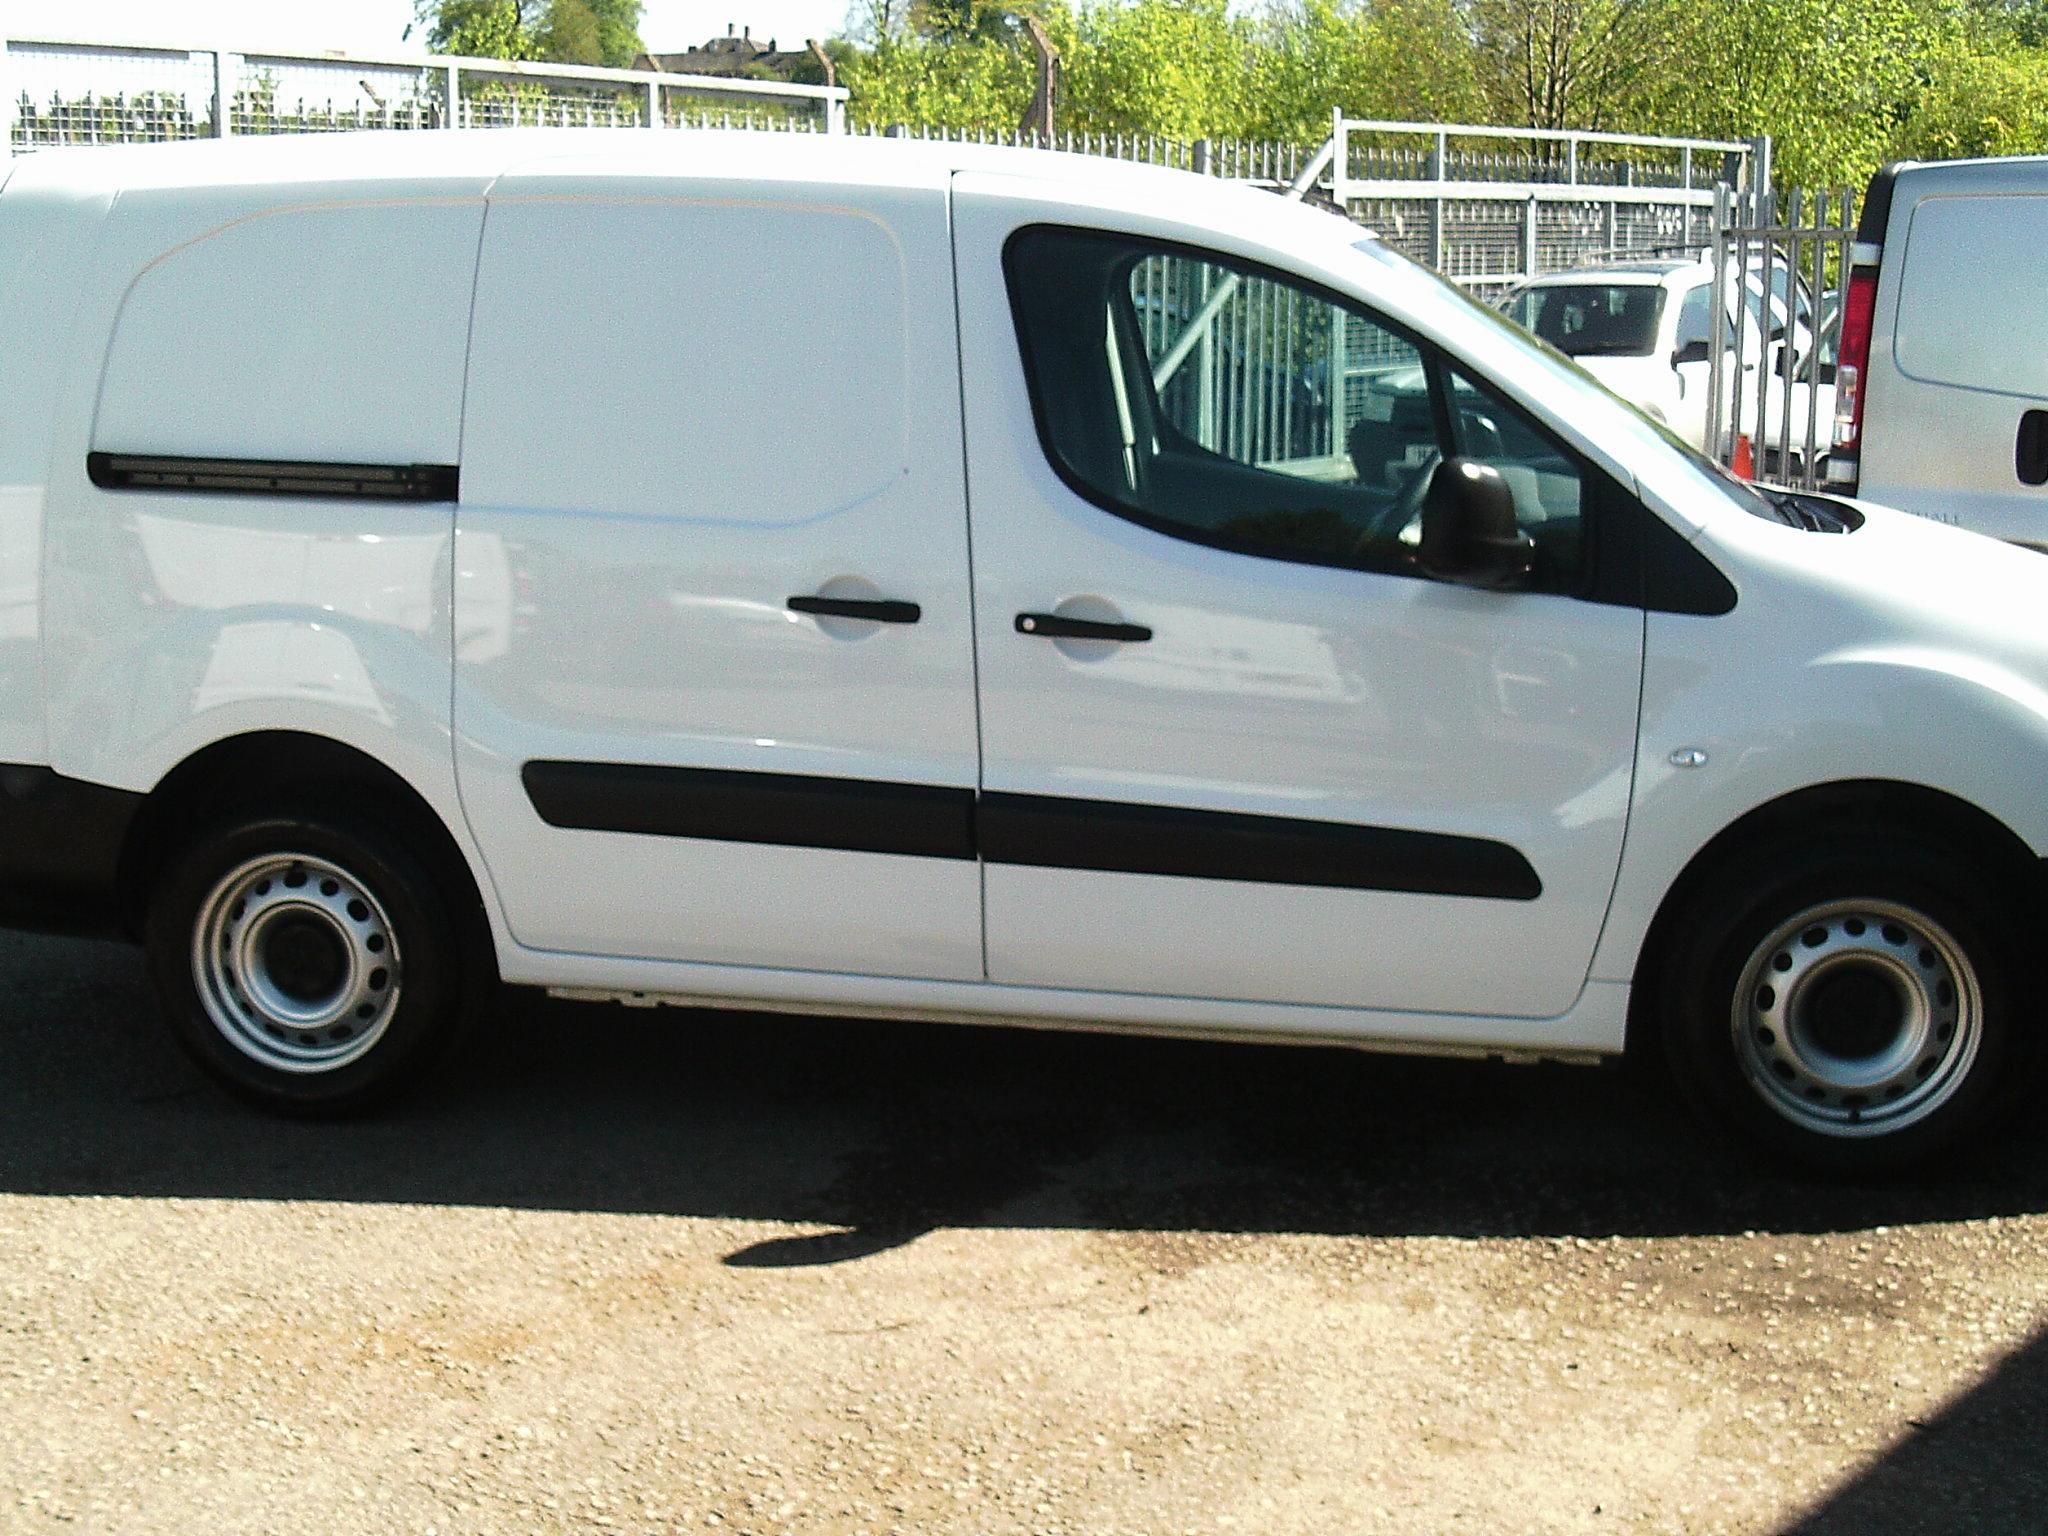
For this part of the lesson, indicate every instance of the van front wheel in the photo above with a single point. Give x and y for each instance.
(307, 962)
(1851, 1007)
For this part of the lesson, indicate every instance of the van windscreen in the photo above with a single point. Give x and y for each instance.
(1592, 319)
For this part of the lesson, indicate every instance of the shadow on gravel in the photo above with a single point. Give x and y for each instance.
(1968, 1468)
(885, 1131)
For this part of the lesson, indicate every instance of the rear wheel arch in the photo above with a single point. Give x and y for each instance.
(274, 769)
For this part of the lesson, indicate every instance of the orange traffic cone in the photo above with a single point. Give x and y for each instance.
(1745, 458)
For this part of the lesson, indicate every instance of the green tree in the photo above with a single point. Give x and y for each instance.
(1579, 63)
(558, 31)
(482, 29)
(1410, 59)
(1832, 81)
(1978, 103)
(1181, 68)
(2023, 23)
(980, 83)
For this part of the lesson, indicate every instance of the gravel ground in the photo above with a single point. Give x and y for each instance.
(675, 1272)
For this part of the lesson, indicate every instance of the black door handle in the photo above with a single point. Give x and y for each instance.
(2030, 450)
(880, 610)
(1056, 626)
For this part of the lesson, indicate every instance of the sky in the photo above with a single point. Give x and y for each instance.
(375, 26)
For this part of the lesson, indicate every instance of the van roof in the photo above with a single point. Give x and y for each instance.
(430, 155)
(1630, 274)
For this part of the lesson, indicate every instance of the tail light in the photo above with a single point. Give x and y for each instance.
(1853, 359)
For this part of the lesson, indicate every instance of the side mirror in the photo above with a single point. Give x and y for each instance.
(1469, 533)
(1694, 351)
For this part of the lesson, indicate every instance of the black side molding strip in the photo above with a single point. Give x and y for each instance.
(800, 810)
(274, 477)
(1052, 832)
(1042, 831)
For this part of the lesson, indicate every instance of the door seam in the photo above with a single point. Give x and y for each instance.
(967, 521)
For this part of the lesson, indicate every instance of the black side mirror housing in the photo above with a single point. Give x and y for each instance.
(1694, 351)
(1469, 532)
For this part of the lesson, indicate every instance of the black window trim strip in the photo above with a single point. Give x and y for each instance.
(182, 475)
(1432, 354)
(1609, 573)
(1037, 831)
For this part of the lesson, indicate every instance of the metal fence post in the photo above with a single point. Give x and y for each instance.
(7, 96)
(654, 103)
(1198, 157)
(1439, 153)
(223, 94)
(454, 87)
(1717, 323)
(835, 114)
(1529, 238)
(1340, 160)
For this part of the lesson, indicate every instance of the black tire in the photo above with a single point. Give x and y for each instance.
(310, 1008)
(1852, 1005)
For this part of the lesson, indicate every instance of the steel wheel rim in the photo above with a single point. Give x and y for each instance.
(1857, 1018)
(296, 963)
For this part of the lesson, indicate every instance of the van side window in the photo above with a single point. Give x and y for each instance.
(1546, 481)
(1693, 317)
(1234, 407)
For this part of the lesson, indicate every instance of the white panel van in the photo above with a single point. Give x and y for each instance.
(1942, 407)
(953, 583)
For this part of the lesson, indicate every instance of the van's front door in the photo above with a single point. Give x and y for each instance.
(714, 679)
(1235, 745)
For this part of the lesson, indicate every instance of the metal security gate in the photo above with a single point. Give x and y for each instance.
(1781, 264)
(1491, 207)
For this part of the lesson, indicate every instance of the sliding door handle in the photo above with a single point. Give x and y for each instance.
(1057, 626)
(880, 610)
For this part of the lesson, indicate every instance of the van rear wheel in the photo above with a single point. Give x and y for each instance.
(306, 961)
(1850, 1006)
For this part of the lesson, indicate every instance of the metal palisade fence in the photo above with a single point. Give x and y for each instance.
(59, 92)
(1490, 207)
(1487, 206)
(1772, 351)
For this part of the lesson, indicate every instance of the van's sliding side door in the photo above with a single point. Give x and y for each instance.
(714, 682)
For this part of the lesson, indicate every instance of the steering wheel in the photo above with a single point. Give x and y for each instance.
(1386, 526)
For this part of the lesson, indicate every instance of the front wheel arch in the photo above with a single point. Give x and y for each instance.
(1818, 812)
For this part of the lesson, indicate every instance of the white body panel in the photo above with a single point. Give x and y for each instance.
(1275, 689)
(601, 608)
(653, 510)
(1959, 347)
(1942, 683)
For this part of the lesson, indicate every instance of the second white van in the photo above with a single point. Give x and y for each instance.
(1942, 398)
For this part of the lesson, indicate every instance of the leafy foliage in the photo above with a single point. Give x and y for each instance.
(1405, 59)
(559, 31)
(1832, 81)
(1979, 103)
(1840, 85)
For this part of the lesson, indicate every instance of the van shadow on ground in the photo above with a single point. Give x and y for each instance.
(885, 1131)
